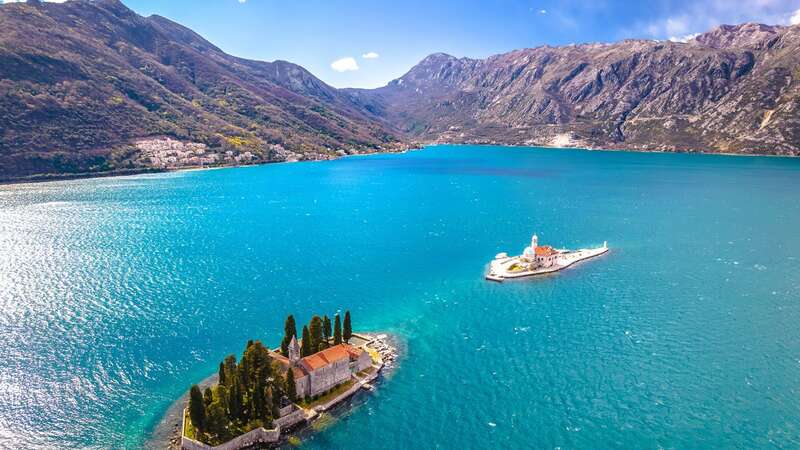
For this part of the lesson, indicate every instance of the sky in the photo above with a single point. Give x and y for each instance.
(350, 43)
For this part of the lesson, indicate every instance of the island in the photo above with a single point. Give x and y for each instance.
(538, 260)
(268, 393)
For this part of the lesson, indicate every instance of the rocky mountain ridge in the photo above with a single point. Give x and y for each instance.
(734, 89)
(89, 86)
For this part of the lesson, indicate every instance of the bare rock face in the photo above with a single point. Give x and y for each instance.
(734, 89)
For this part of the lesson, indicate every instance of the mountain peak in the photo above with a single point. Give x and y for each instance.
(746, 35)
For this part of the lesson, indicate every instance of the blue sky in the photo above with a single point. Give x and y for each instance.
(316, 33)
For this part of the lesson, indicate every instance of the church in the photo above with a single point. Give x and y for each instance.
(540, 256)
(318, 373)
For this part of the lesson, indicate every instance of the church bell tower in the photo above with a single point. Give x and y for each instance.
(294, 350)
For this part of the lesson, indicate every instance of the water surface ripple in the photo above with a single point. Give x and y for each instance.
(116, 294)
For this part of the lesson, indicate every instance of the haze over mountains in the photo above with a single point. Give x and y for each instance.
(83, 81)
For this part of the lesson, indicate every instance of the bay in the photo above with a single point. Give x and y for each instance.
(116, 294)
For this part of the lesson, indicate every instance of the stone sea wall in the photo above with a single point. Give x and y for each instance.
(249, 439)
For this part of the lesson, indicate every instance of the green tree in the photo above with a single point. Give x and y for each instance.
(222, 373)
(259, 403)
(337, 330)
(315, 330)
(348, 331)
(305, 345)
(236, 400)
(275, 394)
(289, 331)
(326, 328)
(230, 369)
(256, 365)
(217, 422)
(208, 396)
(197, 408)
(291, 387)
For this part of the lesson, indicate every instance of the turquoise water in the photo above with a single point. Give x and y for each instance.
(116, 294)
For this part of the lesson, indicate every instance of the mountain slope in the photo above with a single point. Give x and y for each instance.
(89, 86)
(82, 81)
(734, 89)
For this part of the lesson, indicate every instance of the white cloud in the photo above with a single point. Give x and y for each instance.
(702, 16)
(795, 19)
(684, 38)
(347, 64)
(542, 11)
(370, 55)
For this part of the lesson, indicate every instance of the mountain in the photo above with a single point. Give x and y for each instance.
(82, 83)
(735, 89)
(89, 86)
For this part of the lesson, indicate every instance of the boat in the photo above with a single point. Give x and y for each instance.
(538, 260)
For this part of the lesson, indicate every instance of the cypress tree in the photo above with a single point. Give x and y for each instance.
(217, 421)
(222, 374)
(289, 331)
(235, 400)
(208, 396)
(291, 387)
(348, 331)
(305, 345)
(337, 330)
(244, 371)
(275, 393)
(315, 330)
(258, 399)
(230, 368)
(222, 395)
(197, 408)
(269, 407)
(326, 328)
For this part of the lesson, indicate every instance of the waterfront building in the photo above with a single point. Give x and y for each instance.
(318, 373)
(540, 256)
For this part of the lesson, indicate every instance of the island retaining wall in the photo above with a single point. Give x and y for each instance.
(258, 436)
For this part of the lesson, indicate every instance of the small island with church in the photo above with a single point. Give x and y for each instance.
(538, 260)
(260, 399)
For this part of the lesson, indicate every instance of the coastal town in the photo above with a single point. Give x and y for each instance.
(169, 153)
(271, 393)
(538, 260)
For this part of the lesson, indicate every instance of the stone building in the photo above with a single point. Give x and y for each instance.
(540, 256)
(315, 374)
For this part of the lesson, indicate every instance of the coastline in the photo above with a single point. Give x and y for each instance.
(167, 433)
(611, 149)
(50, 177)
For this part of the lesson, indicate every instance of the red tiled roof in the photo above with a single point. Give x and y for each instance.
(545, 250)
(330, 355)
(313, 362)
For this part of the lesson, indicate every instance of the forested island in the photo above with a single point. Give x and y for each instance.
(268, 392)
